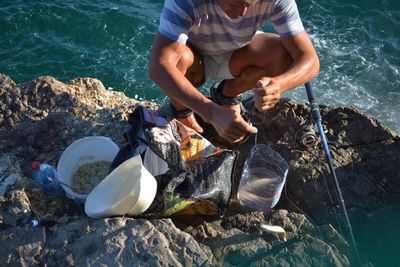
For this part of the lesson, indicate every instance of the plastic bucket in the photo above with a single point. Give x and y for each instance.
(80, 152)
(129, 189)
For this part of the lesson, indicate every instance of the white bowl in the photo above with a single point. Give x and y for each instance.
(80, 152)
(129, 189)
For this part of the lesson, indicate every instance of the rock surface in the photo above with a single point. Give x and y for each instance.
(39, 119)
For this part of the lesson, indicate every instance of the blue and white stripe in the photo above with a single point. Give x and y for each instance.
(204, 25)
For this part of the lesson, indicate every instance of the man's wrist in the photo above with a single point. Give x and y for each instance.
(208, 111)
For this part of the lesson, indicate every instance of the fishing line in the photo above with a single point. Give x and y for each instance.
(303, 212)
(317, 117)
(332, 202)
(285, 187)
(318, 120)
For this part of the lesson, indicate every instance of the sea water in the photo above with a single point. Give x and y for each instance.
(358, 42)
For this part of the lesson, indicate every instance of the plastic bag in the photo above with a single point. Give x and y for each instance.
(264, 175)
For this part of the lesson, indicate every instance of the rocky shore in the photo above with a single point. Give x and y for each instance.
(40, 118)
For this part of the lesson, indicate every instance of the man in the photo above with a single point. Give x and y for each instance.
(199, 40)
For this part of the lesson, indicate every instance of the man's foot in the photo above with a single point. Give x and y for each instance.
(192, 123)
(186, 116)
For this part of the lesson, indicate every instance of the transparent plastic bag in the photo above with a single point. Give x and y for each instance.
(264, 175)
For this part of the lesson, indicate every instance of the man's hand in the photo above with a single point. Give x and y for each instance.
(267, 93)
(229, 124)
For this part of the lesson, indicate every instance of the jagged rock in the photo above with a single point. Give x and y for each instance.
(39, 119)
(114, 241)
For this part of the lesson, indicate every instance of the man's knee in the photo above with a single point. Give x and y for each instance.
(278, 57)
(265, 51)
(185, 61)
(281, 54)
(191, 64)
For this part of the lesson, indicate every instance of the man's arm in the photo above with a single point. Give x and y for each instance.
(166, 56)
(305, 61)
(305, 66)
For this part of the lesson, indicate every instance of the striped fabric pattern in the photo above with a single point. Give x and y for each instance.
(205, 25)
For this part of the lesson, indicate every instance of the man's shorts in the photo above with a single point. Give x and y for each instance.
(217, 67)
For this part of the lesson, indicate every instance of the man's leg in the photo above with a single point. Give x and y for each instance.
(264, 56)
(191, 64)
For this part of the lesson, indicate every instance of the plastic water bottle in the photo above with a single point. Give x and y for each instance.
(45, 176)
(264, 175)
(36, 222)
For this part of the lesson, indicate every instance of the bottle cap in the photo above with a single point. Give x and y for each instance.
(33, 223)
(35, 165)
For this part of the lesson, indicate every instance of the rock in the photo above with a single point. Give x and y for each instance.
(114, 241)
(9, 169)
(238, 241)
(39, 119)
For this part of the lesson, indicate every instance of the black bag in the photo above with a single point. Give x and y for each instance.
(199, 186)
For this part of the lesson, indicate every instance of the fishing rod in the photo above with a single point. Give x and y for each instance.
(318, 120)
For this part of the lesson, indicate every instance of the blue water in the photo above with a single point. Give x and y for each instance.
(358, 42)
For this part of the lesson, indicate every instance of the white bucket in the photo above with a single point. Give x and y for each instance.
(83, 151)
(129, 189)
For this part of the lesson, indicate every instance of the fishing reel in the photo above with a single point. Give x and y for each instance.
(306, 135)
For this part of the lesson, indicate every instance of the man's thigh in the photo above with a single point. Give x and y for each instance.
(196, 72)
(264, 51)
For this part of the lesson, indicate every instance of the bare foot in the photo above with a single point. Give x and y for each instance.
(192, 123)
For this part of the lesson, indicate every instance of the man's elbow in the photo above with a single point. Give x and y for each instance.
(152, 71)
